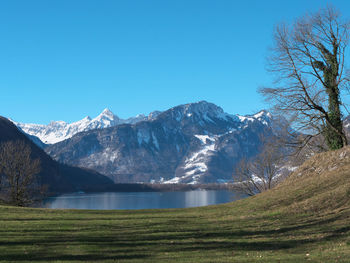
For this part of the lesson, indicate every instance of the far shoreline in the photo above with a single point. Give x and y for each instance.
(147, 187)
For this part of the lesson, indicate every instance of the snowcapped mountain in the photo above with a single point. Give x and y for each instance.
(191, 143)
(58, 131)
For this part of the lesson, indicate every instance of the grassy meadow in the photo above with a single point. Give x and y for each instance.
(305, 219)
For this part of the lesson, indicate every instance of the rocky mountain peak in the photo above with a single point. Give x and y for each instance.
(200, 107)
(87, 118)
(106, 119)
(200, 111)
(107, 112)
(153, 115)
(263, 114)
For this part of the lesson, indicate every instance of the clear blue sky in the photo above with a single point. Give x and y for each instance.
(63, 60)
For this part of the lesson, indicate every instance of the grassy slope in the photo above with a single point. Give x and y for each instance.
(306, 219)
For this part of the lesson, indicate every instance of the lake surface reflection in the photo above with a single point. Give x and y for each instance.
(140, 200)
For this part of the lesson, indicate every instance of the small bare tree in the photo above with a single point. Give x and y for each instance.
(260, 173)
(19, 172)
(308, 59)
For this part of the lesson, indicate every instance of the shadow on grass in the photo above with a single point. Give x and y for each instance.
(55, 256)
(110, 242)
(137, 247)
(142, 250)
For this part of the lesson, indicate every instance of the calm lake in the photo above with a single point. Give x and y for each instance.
(141, 200)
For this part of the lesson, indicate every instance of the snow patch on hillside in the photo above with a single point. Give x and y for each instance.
(143, 136)
(195, 165)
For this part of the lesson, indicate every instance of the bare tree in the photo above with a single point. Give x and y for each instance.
(308, 59)
(19, 172)
(260, 173)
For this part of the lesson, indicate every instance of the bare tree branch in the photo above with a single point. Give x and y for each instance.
(19, 172)
(308, 61)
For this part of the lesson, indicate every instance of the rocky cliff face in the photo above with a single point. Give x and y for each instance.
(192, 143)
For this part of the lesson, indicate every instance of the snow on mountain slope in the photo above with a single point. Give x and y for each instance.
(58, 131)
(196, 165)
(190, 143)
(262, 116)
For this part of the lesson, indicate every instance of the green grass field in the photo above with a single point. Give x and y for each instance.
(306, 219)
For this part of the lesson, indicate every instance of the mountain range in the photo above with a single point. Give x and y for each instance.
(191, 143)
(57, 131)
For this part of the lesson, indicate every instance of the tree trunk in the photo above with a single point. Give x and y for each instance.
(333, 132)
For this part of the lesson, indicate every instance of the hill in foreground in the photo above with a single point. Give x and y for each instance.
(58, 177)
(305, 219)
